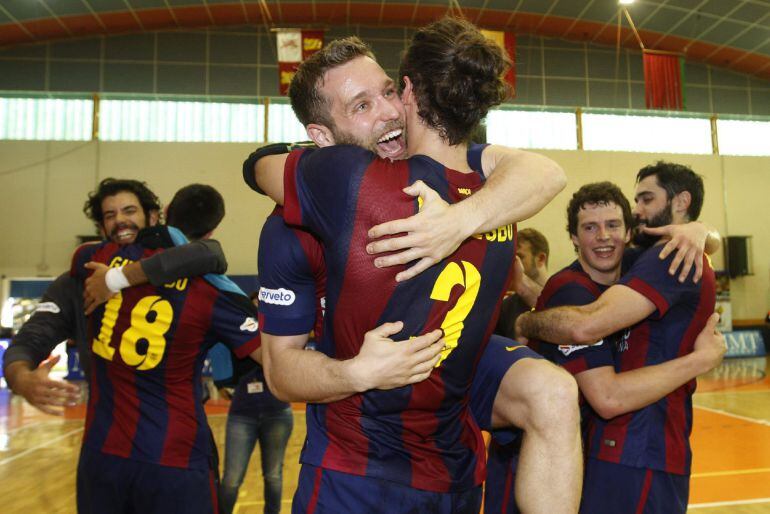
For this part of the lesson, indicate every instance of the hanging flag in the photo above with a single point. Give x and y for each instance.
(663, 80)
(294, 46)
(506, 41)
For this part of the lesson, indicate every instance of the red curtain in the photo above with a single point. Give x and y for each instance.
(510, 47)
(506, 41)
(663, 81)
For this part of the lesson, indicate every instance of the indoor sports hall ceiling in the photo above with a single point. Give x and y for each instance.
(733, 34)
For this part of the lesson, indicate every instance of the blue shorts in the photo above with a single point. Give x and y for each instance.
(323, 491)
(500, 354)
(499, 493)
(610, 488)
(110, 484)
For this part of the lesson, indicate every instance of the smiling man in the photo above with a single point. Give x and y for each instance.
(354, 89)
(638, 446)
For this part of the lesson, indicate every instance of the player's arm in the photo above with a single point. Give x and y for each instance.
(295, 374)
(250, 165)
(612, 394)
(187, 260)
(689, 241)
(527, 289)
(521, 185)
(269, 176)
(25, 366)
(618, 307)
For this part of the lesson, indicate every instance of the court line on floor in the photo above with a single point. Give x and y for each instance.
(727, 503)
(728, 473)
(737, 416)
(37, 425)
(731, 391)
(39, 446)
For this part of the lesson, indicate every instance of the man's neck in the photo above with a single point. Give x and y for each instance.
(430, 144)
(605, 278)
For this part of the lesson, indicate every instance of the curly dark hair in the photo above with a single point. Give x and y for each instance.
(196, 210)
(675, 178)
(457, 75)
(112, 186)
(307, 101)
(597, 193)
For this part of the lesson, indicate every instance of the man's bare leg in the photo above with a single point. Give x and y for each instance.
(542, 399)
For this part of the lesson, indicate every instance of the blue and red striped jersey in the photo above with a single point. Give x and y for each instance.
(292, 279)
(148, 346)
(657, 436)
(421, 435)
(573, 286)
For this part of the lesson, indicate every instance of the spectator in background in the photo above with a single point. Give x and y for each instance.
(255, 414)
(530, 273)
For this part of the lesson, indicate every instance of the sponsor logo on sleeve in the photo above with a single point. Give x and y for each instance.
(276, 296)
(250, 325)
(48, 307)
(567, 349)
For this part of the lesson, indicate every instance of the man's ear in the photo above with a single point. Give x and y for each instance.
(541, 259)
(407, 95)
(154, 217)
(320, 135)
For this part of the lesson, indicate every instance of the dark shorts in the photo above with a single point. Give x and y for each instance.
(109, 484)
(499, 493)
(323, 491)
(610, 488)
(500, 354)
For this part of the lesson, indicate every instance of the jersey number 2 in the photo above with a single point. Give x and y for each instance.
(470, 279)
(143, 343)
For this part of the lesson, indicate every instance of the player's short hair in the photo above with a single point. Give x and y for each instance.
(196, 210)
(112, 186)
(536, 240)
(597, 193)
(457, 75)
(310, 105)
(675, 178)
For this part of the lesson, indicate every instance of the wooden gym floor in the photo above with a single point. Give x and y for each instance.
(731, 441)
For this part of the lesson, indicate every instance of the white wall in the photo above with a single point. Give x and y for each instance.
(38, 224)
(36, 232)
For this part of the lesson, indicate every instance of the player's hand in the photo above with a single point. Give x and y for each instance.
(427, 237)
(45, 393)
(96, 291)
(711, 344)
(689, 241)
(386, 364)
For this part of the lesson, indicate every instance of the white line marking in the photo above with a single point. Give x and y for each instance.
(34, 425)
(728, 391)
(724, 504)
(736, 416)
(730, 473)
(35, 448)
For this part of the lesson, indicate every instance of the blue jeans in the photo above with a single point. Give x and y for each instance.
(273, 430)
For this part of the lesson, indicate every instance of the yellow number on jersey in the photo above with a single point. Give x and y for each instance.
(454, 321)
(150, 320)
(101, 345)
